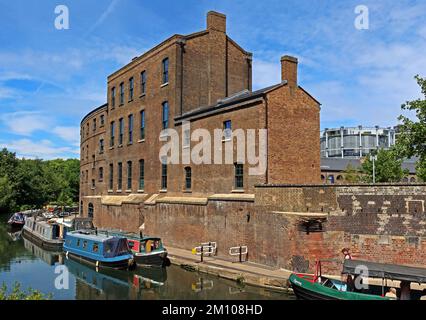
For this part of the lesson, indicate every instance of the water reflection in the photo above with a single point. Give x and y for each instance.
(23, 261)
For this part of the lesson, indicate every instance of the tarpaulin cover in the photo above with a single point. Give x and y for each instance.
(387, 271)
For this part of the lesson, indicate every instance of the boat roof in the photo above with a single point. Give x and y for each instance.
(92, 237)
(387, 271)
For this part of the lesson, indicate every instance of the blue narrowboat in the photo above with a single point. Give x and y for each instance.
(99, 250)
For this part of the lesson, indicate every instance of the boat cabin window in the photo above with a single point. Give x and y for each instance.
(78, 242)
(95, 247)
(151, 245)
(84, 244)
(131, 244)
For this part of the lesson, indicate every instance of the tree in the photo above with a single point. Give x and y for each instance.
(411, 140)
(351, 174)
(388, 167)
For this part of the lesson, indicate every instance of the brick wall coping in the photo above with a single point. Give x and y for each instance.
(303, 214)
(183, 200)
(260, 186)
(232, 197)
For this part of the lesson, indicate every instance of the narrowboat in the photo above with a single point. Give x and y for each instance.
(49, 257)
(17, 220)
(99, 250)
(46, 234)
(318, 287)
(147, 251)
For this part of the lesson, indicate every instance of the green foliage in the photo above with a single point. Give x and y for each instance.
(352, 175)
(27, 184)
(18, 294)
(411, 141)
(388, 167)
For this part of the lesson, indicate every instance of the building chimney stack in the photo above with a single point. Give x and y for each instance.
(216, 21)
(289, 70)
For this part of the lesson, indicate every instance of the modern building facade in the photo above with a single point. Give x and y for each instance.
(204, 79)
(355, 142)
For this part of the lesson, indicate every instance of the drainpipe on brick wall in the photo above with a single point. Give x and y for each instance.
(226, 68)
(182, 51)
(267, 139)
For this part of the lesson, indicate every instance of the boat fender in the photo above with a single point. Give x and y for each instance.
(66, 254)
(97, 264)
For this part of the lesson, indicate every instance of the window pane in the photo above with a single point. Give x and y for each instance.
(143, 82)
(165, 115)
(165, 70)
(239, 176)
(131, 87)
(164, 176)
(130, 128)
(141, 175)
(142, 125)
(120, 176)
(129, 175)
(112, 134)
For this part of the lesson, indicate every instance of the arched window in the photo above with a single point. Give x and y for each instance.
(339, 178)
(90, 211)
(412, 179)
(322, 177)
(331, 179)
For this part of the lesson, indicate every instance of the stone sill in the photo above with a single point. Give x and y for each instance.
(163, 191)
(141, 141)
(164, 85)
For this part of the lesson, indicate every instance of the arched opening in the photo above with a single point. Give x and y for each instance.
(322, 177)
(90, 211)
(412, 179)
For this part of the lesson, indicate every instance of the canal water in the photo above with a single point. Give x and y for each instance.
(22, 261)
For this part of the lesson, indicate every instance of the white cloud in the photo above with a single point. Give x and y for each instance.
(43, 149)
(69, 134)
(25, 123)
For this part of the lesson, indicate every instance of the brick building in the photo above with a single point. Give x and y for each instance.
(204, 79)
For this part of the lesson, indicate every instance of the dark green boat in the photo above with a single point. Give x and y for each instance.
(317, 287)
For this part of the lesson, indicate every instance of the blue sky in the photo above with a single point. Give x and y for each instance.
(49, 78)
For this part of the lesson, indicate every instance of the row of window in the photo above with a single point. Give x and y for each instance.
(94, 125)
(239, 176)
(227, 126)
(143, 83)
(130, 127)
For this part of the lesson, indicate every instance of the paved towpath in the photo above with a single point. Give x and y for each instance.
(250, 273)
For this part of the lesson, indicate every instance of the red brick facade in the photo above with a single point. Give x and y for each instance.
(203, 69)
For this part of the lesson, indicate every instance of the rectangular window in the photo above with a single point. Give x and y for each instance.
(141, 174)
(129, 175)
(120, 176)
(142, 137)
(227, 128)
(131, 88)
(94, 125)
(101, 174)
(112, 139)
(188, 178)
(102, 120)
(164, 176)
(239, 176)
(121, 93)
(131, 128)
(101, 146)
(113, 98)
(165, 115)
(143, 82)
(165, 70)
(93, 184)
(111, 176)
(121, 132)
(186, 138)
